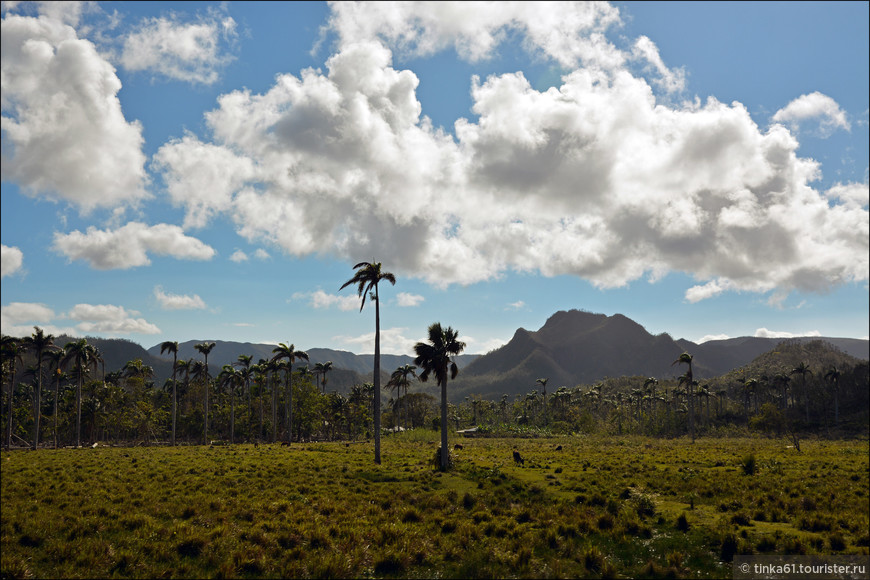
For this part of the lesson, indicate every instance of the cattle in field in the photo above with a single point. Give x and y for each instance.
(558, 448)
(518, 459)
(457, 447)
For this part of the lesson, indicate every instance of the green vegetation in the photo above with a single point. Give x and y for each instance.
(598, 507)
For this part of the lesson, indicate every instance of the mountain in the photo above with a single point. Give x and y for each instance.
(348, 369)
(578, 347)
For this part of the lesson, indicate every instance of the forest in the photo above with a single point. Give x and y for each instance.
(62, 395)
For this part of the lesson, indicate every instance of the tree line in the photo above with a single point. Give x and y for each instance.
(67, 397)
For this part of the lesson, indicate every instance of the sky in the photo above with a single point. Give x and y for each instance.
(177, 171)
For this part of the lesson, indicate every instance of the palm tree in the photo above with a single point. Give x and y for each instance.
(399, 380)
(230, 378)
(204, 348)
(282, 351)
(55, 357)
(833, 377)
(172, 346)
(434, 358)
(244, 361)
(39, 343)
(367, 277)
(543, 383)
(321, 369)
(803, 370)
(13, 350)
(81, 353)
(686, 359)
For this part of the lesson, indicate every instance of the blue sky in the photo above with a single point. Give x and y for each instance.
(212, 171)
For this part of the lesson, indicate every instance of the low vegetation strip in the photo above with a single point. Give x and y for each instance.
(594, 507)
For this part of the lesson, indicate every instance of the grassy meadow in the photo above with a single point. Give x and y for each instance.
(598, 507)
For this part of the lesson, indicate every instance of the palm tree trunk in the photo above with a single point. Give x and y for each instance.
(174, 396)
(79, 409)
(232, 414)
(377, 378)
(11, 409)
(289, 402)
(444, 450)
(56, 395)
(274, 409)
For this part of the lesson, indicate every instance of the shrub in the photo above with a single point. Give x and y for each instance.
(749, 465)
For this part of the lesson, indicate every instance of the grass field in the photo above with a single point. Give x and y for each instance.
(596, 508)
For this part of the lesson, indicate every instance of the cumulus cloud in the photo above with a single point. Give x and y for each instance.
(128, 246)
(184, 51)
(320, 299)
(64, 133)
(709, 337)
(518, 305)
(110, 319)
(238, 257)
(595, 177)
(177, 301)
(566, 32)
(19, 318)
(765, 333)
(406, 299)
(11, 260)
(392, 340)
(854, 195)
(814, 106)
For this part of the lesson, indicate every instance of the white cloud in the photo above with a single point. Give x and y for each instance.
(320, 299)
(30, 312)
(128, 246)
(11, 260)
(261, 254)
(854, 195)
(406, 299)
(672, 81)
(178, 301)
(393, 340)
(518, 305)
(184, 51)
(239, 257)
(814, 106)
(567, 32)
(765, 333)
(596, 177)
(64, 133)
(109, 319)
(709, 337)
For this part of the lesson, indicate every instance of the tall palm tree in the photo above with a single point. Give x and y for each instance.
(204, 348)
(230, 378)
(172, 346)
(399, 380)
(543, 383)
(367, 277)
(803, 370)
(686, 359)
(55, 358)
(79, 352)
(244, 361)
(434, 359)
(833, 377)
(322, 369)
(39, 343)
(12, 350)
(283, 351)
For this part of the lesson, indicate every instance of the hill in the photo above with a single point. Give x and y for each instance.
(578, 347)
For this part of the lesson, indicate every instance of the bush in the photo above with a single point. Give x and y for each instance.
(749, 465)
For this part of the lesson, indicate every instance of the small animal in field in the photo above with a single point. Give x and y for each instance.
(518, 459)
(558, 448)
(457, 447)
